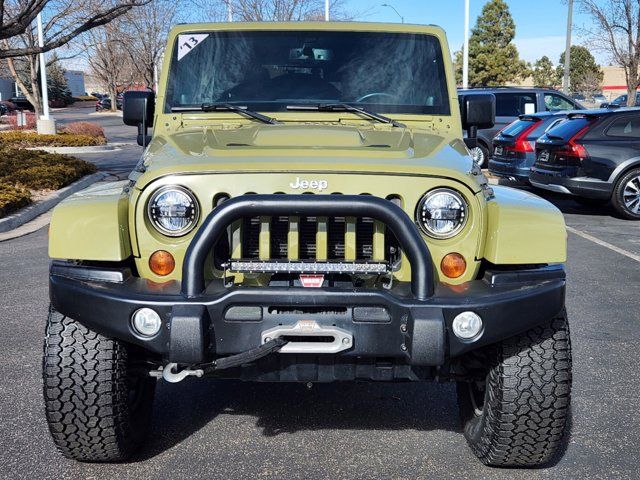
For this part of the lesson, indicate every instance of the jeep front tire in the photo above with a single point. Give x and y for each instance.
(97, 409)
(516, 417)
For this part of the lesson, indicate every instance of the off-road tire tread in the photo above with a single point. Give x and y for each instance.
(86, 393)
(616, 198)
(527, 399)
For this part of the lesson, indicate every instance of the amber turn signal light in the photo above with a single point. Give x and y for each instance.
(453, 265)
(162, 263)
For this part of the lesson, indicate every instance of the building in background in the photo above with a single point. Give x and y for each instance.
(7, 88)
(75, 82)
(614, 83)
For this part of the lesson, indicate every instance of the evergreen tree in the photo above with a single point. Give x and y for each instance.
(585, 75)
(545, 74)
(493, 58)
(57, 87)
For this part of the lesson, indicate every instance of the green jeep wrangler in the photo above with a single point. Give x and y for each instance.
(306, 210)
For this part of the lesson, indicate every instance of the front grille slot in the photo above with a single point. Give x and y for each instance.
(307, 240)
(348, 239)
(251, 237)
(279, 236)
(335, 238)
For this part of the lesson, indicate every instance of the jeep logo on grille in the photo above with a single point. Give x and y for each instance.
(301, 184)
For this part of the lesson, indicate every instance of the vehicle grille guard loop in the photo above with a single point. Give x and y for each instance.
(216, 223)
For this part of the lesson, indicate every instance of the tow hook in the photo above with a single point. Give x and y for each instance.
(171, 375)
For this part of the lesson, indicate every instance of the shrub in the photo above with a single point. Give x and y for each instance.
(38, 170)
(31, 121)
(12, 198)
(84, 128)
(85, 98)
(21, 139)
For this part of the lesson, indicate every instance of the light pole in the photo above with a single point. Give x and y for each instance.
(465, 50)
(394, 9)
(567, 51)
(326, 10)
(45, 124)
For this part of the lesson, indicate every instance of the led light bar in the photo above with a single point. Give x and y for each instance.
(259, 266)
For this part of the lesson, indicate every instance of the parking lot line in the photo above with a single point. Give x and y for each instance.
(593, 239)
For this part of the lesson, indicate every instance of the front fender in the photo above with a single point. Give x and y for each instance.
(92, 225)
(522, 228)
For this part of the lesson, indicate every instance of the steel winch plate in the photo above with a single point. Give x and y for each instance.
(307, 336)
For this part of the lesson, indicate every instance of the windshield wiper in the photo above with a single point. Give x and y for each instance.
(345, 107)
(227, 107)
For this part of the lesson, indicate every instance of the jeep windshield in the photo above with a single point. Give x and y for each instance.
(270, 70)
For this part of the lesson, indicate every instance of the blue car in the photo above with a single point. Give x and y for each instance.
(514, 147)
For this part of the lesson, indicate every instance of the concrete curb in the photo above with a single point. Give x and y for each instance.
(32, 211)
(112, 147)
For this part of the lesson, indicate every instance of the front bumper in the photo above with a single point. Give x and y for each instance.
(568, 182)
(409, 324)
(384, 323)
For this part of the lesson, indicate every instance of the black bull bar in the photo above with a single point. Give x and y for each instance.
(216, 223)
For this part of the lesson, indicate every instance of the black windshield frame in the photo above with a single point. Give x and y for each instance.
(402, 92)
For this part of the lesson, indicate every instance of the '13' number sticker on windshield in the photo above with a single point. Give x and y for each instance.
(186, 43)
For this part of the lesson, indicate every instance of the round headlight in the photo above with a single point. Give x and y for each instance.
(173, 211)
(442, 213)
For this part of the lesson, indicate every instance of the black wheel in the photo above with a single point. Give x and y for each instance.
(480, 154)
(591, 202)
(97, 409)
(626, 195)
(517, 415)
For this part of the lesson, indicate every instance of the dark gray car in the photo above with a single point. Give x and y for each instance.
(511, 102)
(514, 148)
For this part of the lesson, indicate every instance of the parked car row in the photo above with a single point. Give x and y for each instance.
(593, 155)
(105, 103)
(620, 101)
(510, 104)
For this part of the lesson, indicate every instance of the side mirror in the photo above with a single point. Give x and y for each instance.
(138, 109)
(477, 111)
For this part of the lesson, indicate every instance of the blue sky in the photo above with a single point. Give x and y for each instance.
(540, 24)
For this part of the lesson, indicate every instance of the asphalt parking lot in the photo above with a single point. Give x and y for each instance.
(227, 430)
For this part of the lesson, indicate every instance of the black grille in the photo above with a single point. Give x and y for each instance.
(335, 238)
(279, 235)
(307, 232)
(251, 237)
(307, 237)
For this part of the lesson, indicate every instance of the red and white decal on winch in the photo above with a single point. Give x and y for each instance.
(311, 281)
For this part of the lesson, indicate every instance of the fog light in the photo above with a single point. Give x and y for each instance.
(146, 322)
(467, 325)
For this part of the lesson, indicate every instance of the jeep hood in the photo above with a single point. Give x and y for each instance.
(306, 148)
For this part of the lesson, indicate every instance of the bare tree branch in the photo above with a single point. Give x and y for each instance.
(24, 12)
(615, 31)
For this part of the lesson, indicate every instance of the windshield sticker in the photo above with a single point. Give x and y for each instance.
(188, 42)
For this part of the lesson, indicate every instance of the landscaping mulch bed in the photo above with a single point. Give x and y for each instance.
(25, 174)
(26, 139)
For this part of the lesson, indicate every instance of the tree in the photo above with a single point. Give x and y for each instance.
(283, 10)
(545, 74)
(57, 87)
(615, 32)
(493, 58)
(149, 26)
(66, 20)
(585, 75)
(109, 58)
